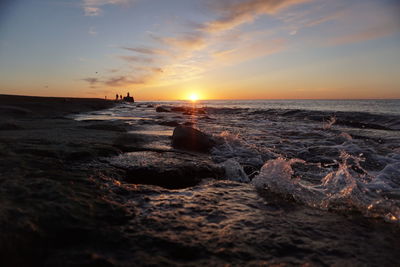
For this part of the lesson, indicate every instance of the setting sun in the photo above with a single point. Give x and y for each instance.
(193, 97)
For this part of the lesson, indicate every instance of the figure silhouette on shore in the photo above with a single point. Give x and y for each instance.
(129, 98)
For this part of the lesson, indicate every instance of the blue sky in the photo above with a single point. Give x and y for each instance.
(226, 49)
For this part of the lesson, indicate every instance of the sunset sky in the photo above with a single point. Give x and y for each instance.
(225, 49)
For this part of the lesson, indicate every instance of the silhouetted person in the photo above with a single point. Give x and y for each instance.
(120, 97)
(116, 97)
(127, 94)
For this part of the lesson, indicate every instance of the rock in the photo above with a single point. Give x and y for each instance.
(109, 126)
(7, 110)
(162, 109)
(167, 169)
(130, 142)
(206, 118)
(188, 123)
(170, 123)
(9, 127)
(191, 139)
(234, 171)
(178, 109)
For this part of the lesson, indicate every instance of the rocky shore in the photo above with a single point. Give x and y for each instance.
(89, 193)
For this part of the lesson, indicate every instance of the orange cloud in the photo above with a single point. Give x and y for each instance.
(235, 13)
(93, 7)
(249, 51)
(138, 59)
(192, 53)
(190, 41)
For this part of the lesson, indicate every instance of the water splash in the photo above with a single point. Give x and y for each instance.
(350, 187)
(328, 124)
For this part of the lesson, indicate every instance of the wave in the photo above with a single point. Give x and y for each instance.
(363, 120)
(344, 189)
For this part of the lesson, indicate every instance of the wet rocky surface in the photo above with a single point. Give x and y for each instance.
(101, 193)
(166, 169)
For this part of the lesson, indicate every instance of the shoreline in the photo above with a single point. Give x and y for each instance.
(30, 106)
(47, 194)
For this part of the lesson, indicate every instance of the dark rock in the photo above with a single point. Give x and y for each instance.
(170, 123)
(14, 110)
(129, 142)
(162, 109)
(206, 118)
(188, 123)
(105, 127)
(178, 109)
(9, 127)
(191, 139)
(168, 169)
(200, 111)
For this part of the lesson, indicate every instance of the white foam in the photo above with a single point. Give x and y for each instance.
(342, 189)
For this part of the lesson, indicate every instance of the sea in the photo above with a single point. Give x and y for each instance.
(333, 155)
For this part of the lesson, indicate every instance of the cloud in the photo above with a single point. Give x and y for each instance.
(249, 51)
(370, 33)
(141, 75)
(93, 7)
(92, 11)
(135, 59)
(190, 41)
(91, 81)
(203, 47)
(234, 13)
(92, 31)
(146, 50)
(365, 21)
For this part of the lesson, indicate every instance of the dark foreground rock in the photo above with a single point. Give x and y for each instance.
(31, 106)
(188, 138)
(162, 109)
(170, 123)
(223, 222)
(48, 198)
(166, 169)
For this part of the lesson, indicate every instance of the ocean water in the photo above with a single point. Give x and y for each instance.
(336, 155)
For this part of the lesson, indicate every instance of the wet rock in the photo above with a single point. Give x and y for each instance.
(139, 142)
(105, 127)
(170, 123)
(178, 109)
(234, 172)
(14, 111)
(9, 127)
(191, 139)
(206, 118)
(130, 142)
(188, 123)
(168, 169)
(162, 109)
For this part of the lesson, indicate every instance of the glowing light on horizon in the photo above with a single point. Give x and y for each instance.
(193, 97)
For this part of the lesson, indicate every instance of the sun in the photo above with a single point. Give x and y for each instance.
(193, 97)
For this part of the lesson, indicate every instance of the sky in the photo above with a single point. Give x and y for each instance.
(225, 49)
